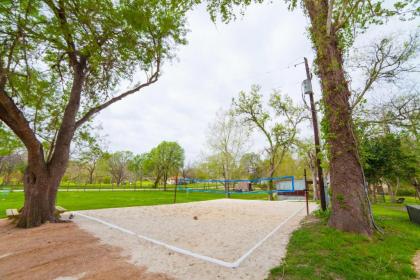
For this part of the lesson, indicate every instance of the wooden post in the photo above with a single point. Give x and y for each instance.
(306, 193)
(317, 141)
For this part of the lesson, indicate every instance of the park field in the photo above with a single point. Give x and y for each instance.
(316, 251)
(113, 199)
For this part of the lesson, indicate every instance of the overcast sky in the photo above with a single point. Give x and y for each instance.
(218, 62)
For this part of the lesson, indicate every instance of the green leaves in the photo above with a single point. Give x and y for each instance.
(385, 159)
(42, 40)
(9, 143)
(138, 164)
(166, 157)
(280, 129)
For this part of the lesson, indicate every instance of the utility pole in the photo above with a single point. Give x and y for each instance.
(308, 90)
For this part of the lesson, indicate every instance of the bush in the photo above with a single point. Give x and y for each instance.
(406, 192)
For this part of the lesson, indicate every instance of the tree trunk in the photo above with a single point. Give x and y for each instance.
(165, 178)
(157, 179)
(270, 183)
(40, 186)
(350, 205)
(36, 209)
(91, 171)
(314, 183)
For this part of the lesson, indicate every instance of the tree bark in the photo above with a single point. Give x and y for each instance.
(312, 166)
(41, 183)
(91, 177)
(42, 178)
(350, 206)
(36, 209)
(91, 170)
(155, 184)
(165, 178)
(314, 184)
(270, 183)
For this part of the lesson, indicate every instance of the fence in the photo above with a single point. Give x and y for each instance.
(74, 187)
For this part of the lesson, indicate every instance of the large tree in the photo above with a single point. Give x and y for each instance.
(165, 160)
(90, 152)
(118, 164)
(279, 128)
(382, 65)
(388, 133)
(60, 64)
(227, 140)
(387, 162)
(306, 151)
(137, 165)
(334, 25)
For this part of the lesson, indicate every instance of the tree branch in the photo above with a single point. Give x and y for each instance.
(153, 78)
(60, 13)
(329, 17)
(16, 121)
(343, 20)
(386, 62)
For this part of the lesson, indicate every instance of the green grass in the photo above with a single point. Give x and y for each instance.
(139, 186)
(317, 251)
(109, 199)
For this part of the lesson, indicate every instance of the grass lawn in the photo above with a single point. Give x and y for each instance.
(108, 199)
(316, 251)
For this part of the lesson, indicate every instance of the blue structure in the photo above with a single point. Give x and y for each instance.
(183, 182)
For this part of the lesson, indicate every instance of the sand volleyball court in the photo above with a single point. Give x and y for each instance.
(217, 239)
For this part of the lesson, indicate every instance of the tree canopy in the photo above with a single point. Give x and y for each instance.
(165, 160)
(61, 62)
(43, 42)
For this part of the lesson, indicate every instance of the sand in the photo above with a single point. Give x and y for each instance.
(223, 229)
(416, 261)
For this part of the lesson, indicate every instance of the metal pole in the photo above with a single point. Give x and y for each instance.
(317, 141)
(306, 192)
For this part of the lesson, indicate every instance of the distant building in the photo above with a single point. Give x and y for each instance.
(299, 188)
(243, 187)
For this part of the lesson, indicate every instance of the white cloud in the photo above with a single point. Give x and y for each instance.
(218, 62)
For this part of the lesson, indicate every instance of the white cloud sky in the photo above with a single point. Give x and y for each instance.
(218, 61)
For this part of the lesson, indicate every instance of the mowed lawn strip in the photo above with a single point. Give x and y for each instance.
(98, 200)
(317, 251)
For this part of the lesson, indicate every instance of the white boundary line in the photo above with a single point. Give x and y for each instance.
(250, 251)
(190, 253)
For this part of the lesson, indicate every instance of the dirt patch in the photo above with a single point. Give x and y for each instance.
(416, 262)
(309, 220)
(62, 251)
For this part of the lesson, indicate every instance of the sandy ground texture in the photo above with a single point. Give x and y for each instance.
(416, 262)
(62, 252)
(224, 229)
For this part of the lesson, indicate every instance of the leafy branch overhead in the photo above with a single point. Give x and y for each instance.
(61, 62)
(45, 43)
(344, 18)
